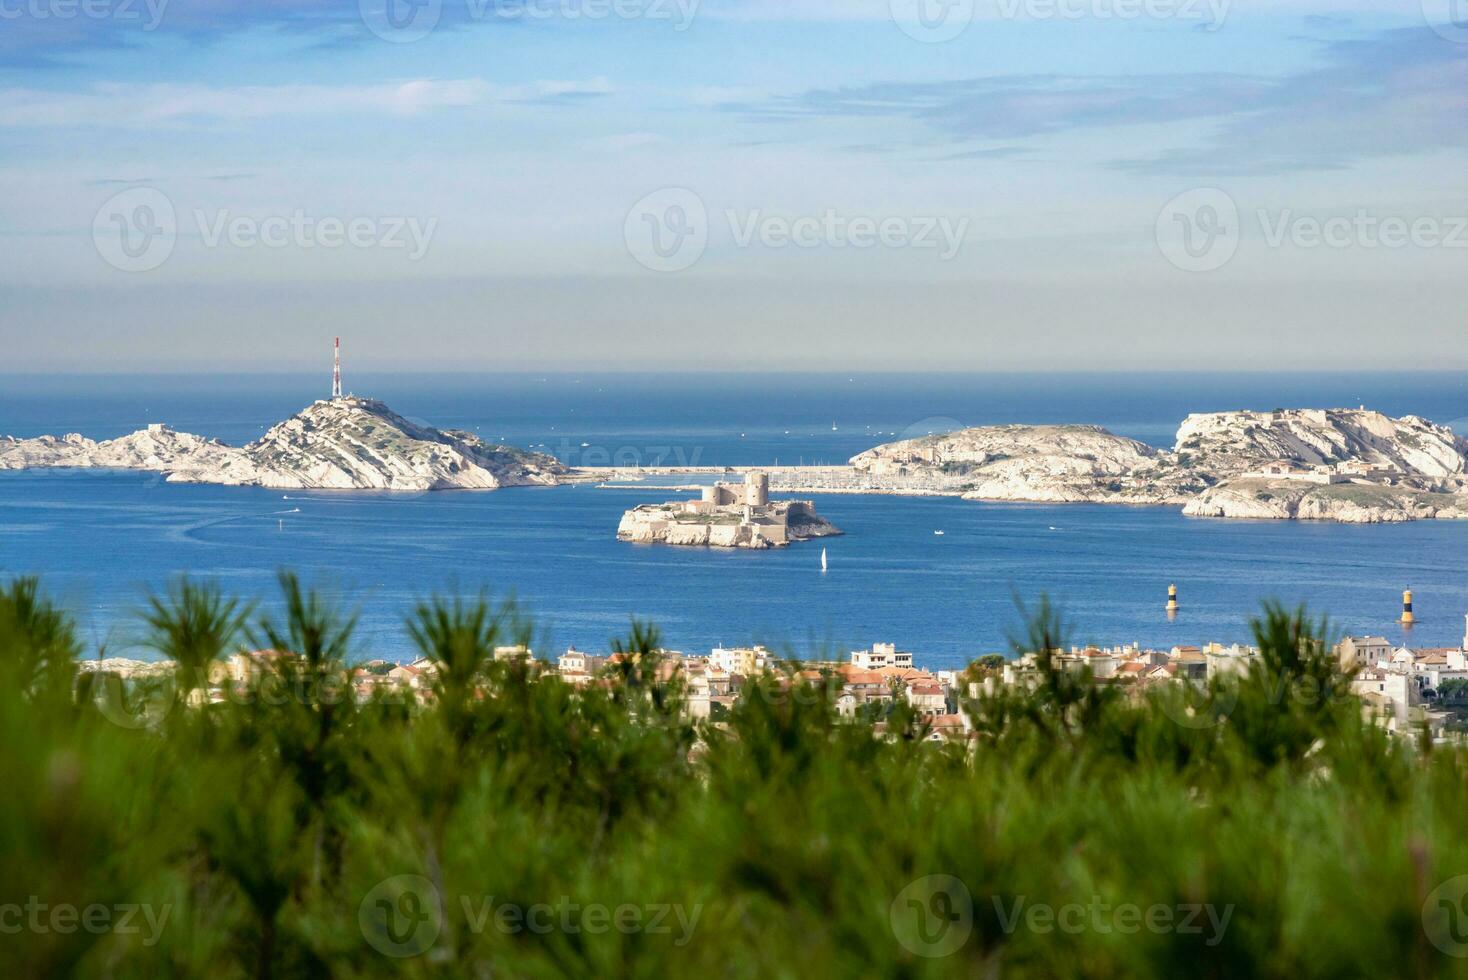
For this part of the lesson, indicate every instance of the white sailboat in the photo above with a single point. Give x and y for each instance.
(823, 559)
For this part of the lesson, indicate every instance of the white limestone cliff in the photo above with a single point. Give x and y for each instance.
(1349, 465)
(1350, 503)
(341, 444)
(1224, 443)
(1039, 463)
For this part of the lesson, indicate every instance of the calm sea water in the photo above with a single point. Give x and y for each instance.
(102, 540)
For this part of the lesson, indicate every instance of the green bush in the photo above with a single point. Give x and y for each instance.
(512, 825)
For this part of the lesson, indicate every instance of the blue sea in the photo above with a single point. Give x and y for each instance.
(102, 541)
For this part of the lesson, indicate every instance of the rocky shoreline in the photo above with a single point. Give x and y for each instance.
(1344, 465)
(335, 444)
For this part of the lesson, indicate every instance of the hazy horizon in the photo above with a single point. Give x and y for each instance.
(735, 184)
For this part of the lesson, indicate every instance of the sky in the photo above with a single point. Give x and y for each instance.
(766, 185)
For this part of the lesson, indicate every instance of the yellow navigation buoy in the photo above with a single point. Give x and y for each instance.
(1172, 598)
(1407, 618)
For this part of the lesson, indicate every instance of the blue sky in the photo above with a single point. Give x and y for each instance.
(502, 169)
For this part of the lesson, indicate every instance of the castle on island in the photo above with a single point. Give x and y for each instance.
(727, 515)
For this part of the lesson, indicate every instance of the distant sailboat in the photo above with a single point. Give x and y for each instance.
(823, 559)
(833, 427)
(940, 533)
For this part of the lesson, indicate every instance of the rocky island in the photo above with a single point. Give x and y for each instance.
(728, 515)
(1035, 463)
(1349, 465)
(341, 443)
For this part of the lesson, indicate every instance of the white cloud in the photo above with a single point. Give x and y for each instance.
(115, 104)
(872, 10)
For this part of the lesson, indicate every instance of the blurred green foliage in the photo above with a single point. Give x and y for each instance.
(501, 824)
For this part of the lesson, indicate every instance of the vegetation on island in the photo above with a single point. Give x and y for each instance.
(513, 825)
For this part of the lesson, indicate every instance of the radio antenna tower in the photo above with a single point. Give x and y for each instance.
(336, 371)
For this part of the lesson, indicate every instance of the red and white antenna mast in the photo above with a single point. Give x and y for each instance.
(336, 371)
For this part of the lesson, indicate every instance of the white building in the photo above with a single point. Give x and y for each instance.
(1229, 660)
(879, 656)
(1363, 651)
(927, 698)
(745, 661)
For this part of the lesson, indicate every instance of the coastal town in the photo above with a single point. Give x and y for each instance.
(1404, 689)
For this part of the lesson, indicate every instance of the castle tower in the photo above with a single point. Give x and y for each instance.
(1407, 618)
(757, 489)
(336, 371)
